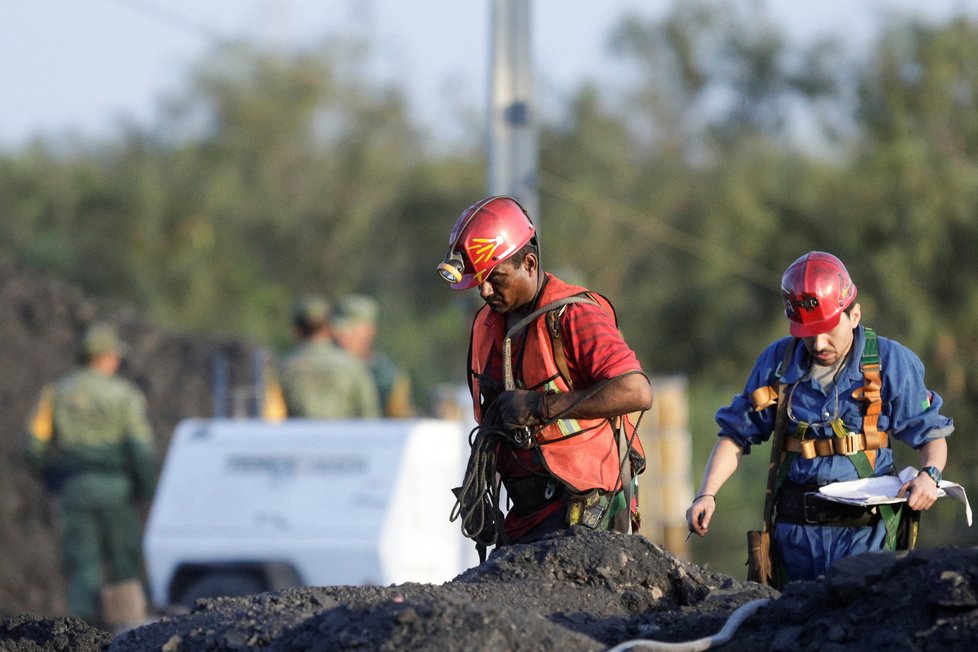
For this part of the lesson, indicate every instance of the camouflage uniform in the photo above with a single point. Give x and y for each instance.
(321, 381)
(393, 385)
(90, 440)
(352, 313)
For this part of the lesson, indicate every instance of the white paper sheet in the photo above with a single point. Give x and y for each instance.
(883, 490)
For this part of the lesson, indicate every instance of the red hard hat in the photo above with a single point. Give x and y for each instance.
(816, 289)
(486, 233)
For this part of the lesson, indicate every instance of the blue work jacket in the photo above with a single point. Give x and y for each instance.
(910, 413)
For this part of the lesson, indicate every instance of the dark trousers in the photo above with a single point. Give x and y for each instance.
(99, 545)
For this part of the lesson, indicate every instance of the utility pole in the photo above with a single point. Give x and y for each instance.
(512, 140)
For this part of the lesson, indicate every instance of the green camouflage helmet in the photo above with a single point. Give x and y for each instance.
(354, 308)
(310, 312)
(100, 338)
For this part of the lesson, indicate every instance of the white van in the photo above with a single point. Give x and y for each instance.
(245, 506)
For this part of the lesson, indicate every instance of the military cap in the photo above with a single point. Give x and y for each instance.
(100, 338)
(310, 310)
(354, 308)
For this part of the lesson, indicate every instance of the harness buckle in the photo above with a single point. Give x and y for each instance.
(849, 445)
(551, 489)
(523, 438)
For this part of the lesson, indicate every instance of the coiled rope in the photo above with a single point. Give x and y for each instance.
(477, 500)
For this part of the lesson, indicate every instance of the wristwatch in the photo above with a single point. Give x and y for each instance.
(934, 474)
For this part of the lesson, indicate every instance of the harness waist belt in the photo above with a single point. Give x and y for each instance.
(849, 445)
(533, 492)
(800, 504)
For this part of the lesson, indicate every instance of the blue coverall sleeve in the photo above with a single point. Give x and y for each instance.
(915, 412)
(739, 421)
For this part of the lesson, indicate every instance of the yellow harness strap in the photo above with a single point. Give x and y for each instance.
(871, 393)
(869, 440)
(764, 397)
(848, 445)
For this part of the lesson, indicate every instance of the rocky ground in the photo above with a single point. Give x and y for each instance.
(582, 591)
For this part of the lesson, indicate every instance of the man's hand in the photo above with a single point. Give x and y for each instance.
(922, 492)
(521, 407)
(700, 513)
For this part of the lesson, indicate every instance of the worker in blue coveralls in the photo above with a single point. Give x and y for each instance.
(848, 393)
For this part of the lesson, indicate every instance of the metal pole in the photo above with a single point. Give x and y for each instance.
(512, 140)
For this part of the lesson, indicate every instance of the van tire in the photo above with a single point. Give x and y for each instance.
(223, 583)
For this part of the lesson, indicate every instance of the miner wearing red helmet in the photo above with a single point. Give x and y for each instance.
(834, 395)
(552, 383)
(816, 289)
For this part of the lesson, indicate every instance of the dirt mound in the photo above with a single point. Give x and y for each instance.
(921, 600)
(29, 634)
(581, 591)
(40, 319)
(585, 591)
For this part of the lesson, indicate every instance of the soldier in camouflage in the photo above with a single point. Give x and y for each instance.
(354, 323)
(319, 380)
(91, 442)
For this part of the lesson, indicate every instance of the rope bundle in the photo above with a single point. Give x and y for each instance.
(477, 500)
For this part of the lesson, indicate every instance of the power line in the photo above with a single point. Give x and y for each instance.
(665, 233)
(173, 19)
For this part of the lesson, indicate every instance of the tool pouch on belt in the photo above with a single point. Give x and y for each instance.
(588, 509)
(759, 567)
(123, 605)
(909, 528)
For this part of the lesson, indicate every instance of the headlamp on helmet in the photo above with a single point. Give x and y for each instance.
(485, 234)
(452, 268)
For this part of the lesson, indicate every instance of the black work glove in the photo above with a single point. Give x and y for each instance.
(521, 407)
(489, 389)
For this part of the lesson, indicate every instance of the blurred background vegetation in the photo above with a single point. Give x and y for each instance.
(273, 174)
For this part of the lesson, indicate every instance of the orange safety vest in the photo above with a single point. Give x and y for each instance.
(582, 453)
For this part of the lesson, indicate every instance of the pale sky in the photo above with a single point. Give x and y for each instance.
(80, 65)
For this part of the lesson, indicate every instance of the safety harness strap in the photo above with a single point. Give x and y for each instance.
(557, 344)
(871, 392)
(870, 440)
(764, 397)
(847, 445)
(890, 514)
(553, 307)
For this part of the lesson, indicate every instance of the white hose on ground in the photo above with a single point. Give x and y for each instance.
(735, 620)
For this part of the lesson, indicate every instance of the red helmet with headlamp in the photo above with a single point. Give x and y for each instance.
(486, 233)
(816, 290)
